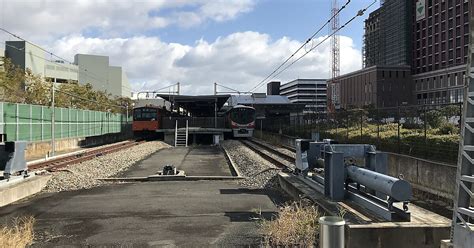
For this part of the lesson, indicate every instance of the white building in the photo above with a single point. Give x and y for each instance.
(91, 69)
(312, 92)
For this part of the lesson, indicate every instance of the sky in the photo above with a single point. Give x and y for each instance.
(235, 43)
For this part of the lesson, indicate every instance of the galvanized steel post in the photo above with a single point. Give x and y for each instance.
(331, 232)
(53, 116)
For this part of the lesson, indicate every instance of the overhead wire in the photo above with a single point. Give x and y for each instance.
(359, 13)
(57, 90)
(231, 89)
(301, 47)
(86, 72)
(90, 100)
(47, 60)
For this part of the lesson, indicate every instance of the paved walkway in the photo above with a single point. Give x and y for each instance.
(195, 161)
(149, 214)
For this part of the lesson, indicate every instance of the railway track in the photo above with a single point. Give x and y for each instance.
(279, 159)
(292, 149)
(264, 145)
(63, 161)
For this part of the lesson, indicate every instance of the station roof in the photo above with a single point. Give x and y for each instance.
(258, 99)
(267, 105)
(202, 105)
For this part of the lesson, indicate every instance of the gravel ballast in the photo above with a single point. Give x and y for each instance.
(84, 175)
(261, 173)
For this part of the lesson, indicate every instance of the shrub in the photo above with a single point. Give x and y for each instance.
(448, 128)
(19, 234)
(434, 118)
(296, 226)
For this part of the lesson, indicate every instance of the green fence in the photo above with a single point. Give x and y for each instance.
(33, 122)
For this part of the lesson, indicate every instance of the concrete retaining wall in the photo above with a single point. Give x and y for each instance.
(409, 236)
(15, 191)
(427, 176)
(42, 148)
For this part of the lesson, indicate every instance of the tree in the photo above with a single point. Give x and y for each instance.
(12, 83)
(37, 91)
(450, 111)
(433, 118)
(22, 86)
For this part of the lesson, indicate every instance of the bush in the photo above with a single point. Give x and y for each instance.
(448, 128)
(296, 226)
(19, 234)
(434, 118)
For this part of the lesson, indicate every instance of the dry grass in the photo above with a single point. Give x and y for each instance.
(296, 226)
(19, 234)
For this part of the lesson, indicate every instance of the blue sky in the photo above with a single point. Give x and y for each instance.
(195, 42)
(295, 19)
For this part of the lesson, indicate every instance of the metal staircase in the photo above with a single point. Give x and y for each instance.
(462, 231)
(181, 135)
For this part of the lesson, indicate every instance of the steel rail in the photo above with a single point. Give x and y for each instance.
(275, 161)
(273, 150)
(61, 162)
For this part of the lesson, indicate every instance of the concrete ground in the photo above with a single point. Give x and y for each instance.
(195, 161)
(149, 214)
(153, 214)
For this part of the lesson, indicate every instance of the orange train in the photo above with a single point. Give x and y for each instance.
(147, 119)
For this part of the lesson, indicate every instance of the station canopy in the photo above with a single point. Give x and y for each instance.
(198, 106)
(268, 105)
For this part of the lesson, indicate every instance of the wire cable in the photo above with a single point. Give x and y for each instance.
(234, 90)
(359, 13)
(301, 47)
(87, 72)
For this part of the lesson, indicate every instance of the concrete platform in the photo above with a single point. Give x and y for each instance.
(149, 214)
(19, 188)
(195, 161)
(425, 230)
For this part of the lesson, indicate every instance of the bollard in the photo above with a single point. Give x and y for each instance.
(331, 232)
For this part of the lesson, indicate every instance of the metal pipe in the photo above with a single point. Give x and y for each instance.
(398, 189)
(331, 232)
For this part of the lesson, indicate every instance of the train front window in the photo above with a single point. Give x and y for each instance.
(243, 115)
(145, 114)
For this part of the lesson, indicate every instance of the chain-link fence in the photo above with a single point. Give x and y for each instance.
(424, 131)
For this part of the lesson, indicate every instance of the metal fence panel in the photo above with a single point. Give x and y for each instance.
(47, 114)
(9, 115)
(33, 122)
(24, 118)
(36, 123)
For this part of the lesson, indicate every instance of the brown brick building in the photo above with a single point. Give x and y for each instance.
(380, 86)
(440, 46)
(429, 36)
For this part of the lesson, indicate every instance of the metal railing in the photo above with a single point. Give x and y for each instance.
(204, 122)
(424, 131)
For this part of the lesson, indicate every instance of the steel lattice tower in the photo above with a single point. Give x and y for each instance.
(462, 232)
(335, 55)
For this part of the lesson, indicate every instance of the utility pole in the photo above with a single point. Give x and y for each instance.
(215, 105)
(53, 116)
(126, 120)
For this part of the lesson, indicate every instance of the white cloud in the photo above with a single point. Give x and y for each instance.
(239, 60)
(46, 20)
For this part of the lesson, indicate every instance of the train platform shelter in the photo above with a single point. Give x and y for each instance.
(201, 117)
(267, 105)
(197, 106)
